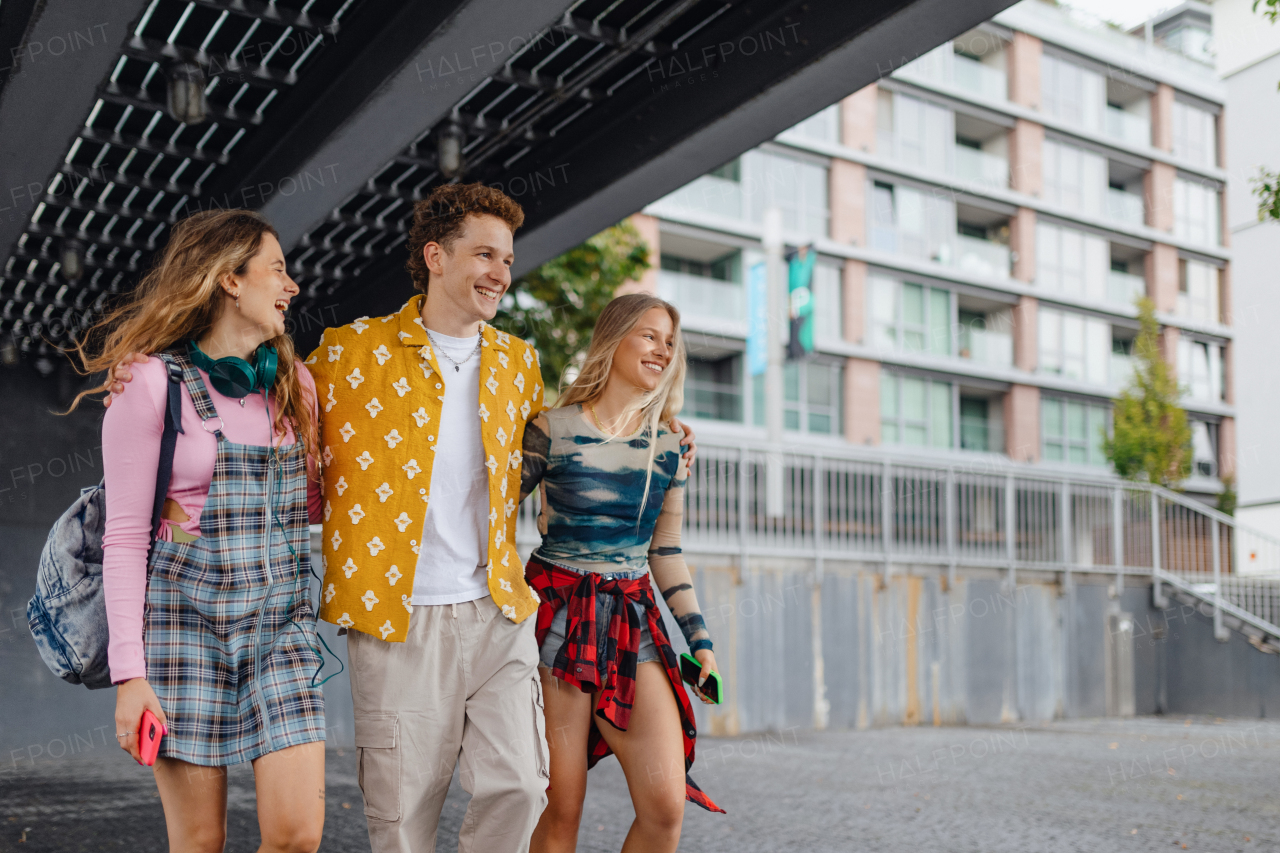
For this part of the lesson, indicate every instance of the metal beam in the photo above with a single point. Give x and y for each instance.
(269, 11)
(141, 99)
(400, 102)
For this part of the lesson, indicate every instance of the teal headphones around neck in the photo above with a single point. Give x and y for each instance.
(234, 377)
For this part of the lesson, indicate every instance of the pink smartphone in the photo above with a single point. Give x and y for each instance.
(149, 733)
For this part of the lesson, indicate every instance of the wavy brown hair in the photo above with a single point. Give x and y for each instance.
(657, 407)
(180, 298)
(441, 216)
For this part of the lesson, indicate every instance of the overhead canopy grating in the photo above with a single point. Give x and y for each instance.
(531, 102)
(133, 169)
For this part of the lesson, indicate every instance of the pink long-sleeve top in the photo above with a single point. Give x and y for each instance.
(131, 434)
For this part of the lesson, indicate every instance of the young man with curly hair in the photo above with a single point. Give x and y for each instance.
(422, 417)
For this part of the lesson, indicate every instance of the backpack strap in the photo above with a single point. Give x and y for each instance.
(169, 438)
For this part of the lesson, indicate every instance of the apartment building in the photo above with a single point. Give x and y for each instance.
(985, 217)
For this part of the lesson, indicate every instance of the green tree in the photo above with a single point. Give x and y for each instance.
(1266, 185)
(556, 305)
(1150, 437)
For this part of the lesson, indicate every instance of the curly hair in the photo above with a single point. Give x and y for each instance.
(440, 217)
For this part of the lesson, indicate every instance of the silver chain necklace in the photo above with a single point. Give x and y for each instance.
(457, 365)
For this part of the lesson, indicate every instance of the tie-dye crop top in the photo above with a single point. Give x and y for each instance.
(592, 486)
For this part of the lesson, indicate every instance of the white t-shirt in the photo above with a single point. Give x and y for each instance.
(453, 553)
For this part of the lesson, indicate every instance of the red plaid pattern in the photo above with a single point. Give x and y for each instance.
(581, 662)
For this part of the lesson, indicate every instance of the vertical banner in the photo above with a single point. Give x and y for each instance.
(800, 302)
(757, 319)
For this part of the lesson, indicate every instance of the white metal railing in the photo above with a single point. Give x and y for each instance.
(862, 505)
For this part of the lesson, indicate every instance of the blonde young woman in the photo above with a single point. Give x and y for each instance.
(612, 488)
(210, 620)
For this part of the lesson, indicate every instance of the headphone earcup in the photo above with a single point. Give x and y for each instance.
(233, 377)
(266, 363)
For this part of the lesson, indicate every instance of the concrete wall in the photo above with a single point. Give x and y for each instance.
(915, 651)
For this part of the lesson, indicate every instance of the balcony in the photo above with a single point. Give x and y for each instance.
(707, 194)
(1121, 370)
(980, 80)
(706, 299)
(943, 66)
(978, 167)
(981, 257)
(1125, 208)
(987, 346)
(981, 434)
(1125, 288)
(1127, 128)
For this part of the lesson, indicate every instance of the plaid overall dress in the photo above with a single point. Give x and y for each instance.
(230, 634)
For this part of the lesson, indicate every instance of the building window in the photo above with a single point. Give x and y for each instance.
(1195, 134)
(1202, 369)
(1071, 93)
(1204, 448)
(797, 187)
(1071, 262)
(981, 424)
(910, 222)
(811, 395)
(726, 268)
(1074, 346)
(915, 411)
(1198, 291)
(828, 302)
(908, 316)
(713, 388)
(1072, 431)
(914, 132)
(1074, 178)
(1195, 212)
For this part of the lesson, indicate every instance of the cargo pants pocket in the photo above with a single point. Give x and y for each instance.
(541, 759)
(378, 751)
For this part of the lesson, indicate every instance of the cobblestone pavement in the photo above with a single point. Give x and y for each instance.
(1082, 785)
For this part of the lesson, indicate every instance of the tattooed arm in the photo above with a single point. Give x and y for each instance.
(534, 455)
(672, 575)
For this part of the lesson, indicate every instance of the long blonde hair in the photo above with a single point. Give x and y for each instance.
(180, 299)
(657, 407)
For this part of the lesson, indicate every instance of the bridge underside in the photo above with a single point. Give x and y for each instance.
(329, 115)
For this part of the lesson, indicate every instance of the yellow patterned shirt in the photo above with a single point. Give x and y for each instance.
(380, 401)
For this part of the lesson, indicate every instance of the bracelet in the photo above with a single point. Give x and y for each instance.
(699, 645)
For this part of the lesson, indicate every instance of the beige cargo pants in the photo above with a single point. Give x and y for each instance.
(463, 684)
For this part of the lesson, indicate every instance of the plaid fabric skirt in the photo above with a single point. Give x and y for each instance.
(230, 634)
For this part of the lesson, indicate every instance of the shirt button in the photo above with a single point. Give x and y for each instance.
(692, 733)
(577, 669)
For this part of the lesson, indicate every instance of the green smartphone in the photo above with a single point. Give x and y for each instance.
(690, 669)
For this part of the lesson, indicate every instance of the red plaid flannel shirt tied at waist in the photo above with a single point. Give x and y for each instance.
(581, 661)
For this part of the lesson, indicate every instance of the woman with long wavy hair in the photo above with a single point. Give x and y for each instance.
(612, 491)
(210, 619)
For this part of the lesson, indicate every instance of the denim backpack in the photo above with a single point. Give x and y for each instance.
(68, 613)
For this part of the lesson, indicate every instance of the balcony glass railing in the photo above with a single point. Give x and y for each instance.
(981, 434)
(1124, 288)
(708, 299)
(707, 194)
(981, 257)
(1121, 370)
(979, 167)
(987, 346)
(981, 80)
(1127, 127)
(1125, 207)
